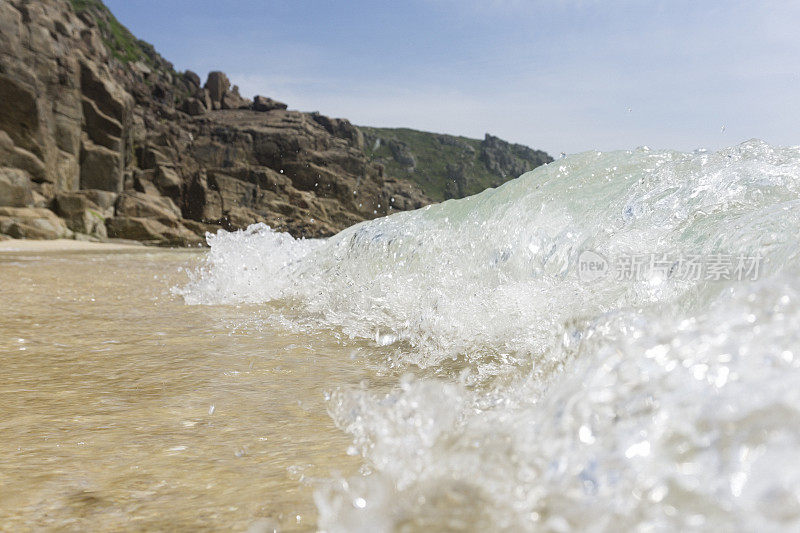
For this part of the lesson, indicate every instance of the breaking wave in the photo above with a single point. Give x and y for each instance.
(608, 342)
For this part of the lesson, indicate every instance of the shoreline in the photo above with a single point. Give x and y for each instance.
(66, 245)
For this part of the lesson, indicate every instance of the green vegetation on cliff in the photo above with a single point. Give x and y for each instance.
(447, 166)
(120, 41)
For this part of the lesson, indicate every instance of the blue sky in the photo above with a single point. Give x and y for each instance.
(561, 75)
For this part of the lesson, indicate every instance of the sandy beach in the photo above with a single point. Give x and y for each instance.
(65, 245)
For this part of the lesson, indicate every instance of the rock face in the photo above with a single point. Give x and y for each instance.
(64, 120)
(100, 136)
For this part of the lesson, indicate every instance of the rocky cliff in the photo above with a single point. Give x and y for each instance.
(447, 166)
(101, 137)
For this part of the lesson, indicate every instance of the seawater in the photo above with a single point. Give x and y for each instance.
(517, 393)
(123, 409)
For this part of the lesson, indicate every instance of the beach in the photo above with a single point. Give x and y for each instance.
(378, 267)
(65, 245)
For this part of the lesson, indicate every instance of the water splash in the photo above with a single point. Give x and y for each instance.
(649, 403)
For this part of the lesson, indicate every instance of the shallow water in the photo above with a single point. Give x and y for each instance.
(123, 408)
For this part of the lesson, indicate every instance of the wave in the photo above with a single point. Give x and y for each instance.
(606, 342)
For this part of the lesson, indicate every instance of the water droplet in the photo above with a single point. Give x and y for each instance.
(641, 449)
(585, 434)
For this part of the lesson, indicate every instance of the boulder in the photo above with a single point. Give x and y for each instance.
(80, 213)
(151, 231)
(141, 69)
(192, 79)
(15, 188)
(264, 104)
(136, 204)
(217, 84)
(168, 182)
(105, 200)
(32, 223)
(194, 107)
(67, 204)
(233, 100)
(143, 182)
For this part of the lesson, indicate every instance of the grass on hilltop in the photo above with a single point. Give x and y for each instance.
(120, 41)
